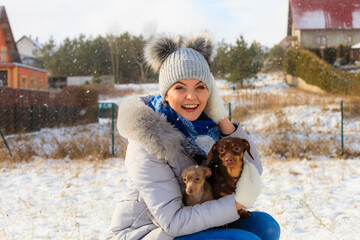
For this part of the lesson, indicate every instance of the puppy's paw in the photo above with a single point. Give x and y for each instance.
(244, 214)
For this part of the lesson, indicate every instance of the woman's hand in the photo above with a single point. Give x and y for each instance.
(238, 206)
(226, 126)
(248, 187)
(215, 108)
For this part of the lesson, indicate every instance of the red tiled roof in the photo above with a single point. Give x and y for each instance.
(325, 14)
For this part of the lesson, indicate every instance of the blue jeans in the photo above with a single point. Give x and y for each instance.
(260, 226)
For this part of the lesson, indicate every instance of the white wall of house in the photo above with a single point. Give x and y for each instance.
(27, 48)
(329, 38)
(78, 80)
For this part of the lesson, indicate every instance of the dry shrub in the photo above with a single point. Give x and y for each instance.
(251, 102)
(82, 95)
(243, 113)
(282, 125)
(75, 147)
(113, 93)
(94, 148)
(24, 153)
(351, 153)
(351, 108)
(289, 146)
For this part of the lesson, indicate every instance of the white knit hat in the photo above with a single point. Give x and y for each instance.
(184, 63)
(176, 59)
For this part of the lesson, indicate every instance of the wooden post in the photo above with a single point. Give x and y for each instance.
(342, 129)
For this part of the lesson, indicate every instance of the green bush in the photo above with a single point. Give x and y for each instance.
(329, 54)
(343, 54)
(313, 70)
(274, 59)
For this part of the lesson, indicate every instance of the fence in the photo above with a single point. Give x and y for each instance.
(24, 110)
(298, 123)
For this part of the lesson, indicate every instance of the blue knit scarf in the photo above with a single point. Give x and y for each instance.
(191, 129)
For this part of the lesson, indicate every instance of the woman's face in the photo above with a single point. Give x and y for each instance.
(188, 98)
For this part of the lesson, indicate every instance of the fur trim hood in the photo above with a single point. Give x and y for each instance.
(138, 122)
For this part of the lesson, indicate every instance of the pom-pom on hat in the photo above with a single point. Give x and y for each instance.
(179, 58)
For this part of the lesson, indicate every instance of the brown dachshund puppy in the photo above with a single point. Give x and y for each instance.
(198, 190)
(226, 159)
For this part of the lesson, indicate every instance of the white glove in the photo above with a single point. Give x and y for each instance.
(248, 186)
(215, 108)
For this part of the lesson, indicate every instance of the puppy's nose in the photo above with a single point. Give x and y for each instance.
(228, 160)
(188, 190)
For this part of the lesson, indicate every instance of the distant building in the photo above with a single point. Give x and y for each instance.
(355, 53)
(78, 80)
(57, 82)
(86, 80)
(13, 73)
(324, 23)
(29, 50)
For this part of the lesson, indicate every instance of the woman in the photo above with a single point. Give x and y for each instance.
(170, 132)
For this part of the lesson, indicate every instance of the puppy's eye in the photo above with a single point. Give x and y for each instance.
(197, 179)
(184, 179)
(237, 149)
(221, 150)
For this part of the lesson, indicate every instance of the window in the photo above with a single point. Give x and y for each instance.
(33, 84)
(24, 82)
(41, 84)
(349, 40)
(35, 52)
(3, 54)
(3, 78)
(323, 41)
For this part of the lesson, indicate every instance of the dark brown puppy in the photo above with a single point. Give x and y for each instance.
(226, 159)
(198, 190)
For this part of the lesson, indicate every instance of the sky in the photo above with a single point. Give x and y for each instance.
(263, 21)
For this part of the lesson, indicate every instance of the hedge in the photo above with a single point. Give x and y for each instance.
(315, 71)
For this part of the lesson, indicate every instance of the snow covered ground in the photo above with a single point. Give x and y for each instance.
(74, 199)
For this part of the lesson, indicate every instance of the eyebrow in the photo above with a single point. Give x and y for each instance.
(186, 85)
(199, 82)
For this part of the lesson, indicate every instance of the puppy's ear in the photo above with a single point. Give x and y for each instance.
(207, 171)
(183, 173)
(247, 148)
(212, 152)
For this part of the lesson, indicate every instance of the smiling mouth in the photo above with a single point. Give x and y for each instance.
(190, 107)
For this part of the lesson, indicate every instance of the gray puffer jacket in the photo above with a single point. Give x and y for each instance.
(154, 161)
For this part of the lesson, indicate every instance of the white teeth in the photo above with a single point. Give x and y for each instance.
(189, 106)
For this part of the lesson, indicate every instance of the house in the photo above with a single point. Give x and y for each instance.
(355, 52)
(78, 80)
(29, 50)
(105, 80)
(13, 73)
(324, 23)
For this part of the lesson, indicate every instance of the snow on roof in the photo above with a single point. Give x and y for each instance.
(36, 43)
(356, 46)
(325, 14)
